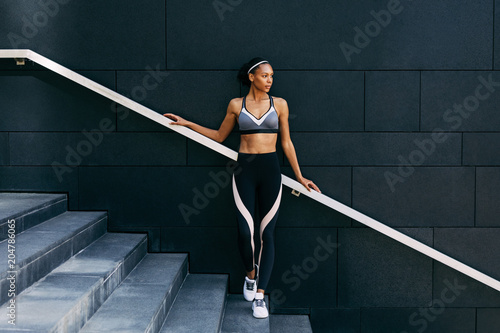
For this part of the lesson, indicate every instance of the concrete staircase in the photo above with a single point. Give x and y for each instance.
(69, 275)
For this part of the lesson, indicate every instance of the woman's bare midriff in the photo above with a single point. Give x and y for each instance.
(258, 143)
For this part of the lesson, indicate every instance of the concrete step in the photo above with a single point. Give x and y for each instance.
(142, 301)
(238, 317)
(199, 306)
(290, 323)
(38, 250)
(28, 209)
(66, 298)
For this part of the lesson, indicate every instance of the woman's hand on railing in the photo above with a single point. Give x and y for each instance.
(309, 184)
(177, 120)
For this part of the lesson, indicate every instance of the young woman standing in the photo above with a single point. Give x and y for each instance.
(260, 118)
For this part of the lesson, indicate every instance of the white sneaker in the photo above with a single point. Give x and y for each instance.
(250, 286)
(249, 289)
(259, 307)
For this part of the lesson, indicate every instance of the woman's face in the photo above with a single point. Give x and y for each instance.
(263, 77)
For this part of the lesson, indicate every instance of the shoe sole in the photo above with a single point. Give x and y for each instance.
(257, 317)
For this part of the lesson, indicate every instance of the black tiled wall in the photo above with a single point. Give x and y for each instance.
(393, 111)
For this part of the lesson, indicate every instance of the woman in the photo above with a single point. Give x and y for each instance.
(260, 117)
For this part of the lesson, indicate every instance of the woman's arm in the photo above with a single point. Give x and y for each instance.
(288, 148)
(217, 135)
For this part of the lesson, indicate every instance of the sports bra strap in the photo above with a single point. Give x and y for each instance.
(244, 106)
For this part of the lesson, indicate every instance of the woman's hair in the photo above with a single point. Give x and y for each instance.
(244, 70)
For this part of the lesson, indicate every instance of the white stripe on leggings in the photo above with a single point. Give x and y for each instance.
(269, 216)
(246, 214)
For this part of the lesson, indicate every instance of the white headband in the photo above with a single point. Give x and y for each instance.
(257, 64)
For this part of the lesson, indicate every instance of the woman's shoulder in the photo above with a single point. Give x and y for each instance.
(236, 101)
(235, 105)
(279, 102)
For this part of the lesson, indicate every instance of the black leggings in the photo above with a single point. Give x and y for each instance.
(257, 186)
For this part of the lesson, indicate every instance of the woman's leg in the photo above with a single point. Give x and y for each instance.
(244, 198)
(269, 199)
(267, 250)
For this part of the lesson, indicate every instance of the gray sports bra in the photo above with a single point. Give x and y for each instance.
(249, 124)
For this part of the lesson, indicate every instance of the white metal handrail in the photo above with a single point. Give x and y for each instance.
(327, 201)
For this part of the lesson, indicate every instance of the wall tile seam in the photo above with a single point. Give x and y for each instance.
(181, 225)
(310, 227)
(492, 51)
(337, 267)
(364, 101)
(115, 105)
(481, 165)
(420, 102)
(475, 323)
(390, 166)
(8, 162)
(111, 132)
(462, 155)
(196, 227)
(386, 132)
(165, 40)
(179, 70)
(427, 166)
(276, 69)
(107, 165)
(291, 227)
(397, 307)
(25, 70)
(138, 166)
(194, 166)
(456, 166)
(351, 203)
(479, 132)
(122, 70)
(47, 132)
(78, 180)
(77, 70)
(461, 227)
(236, 132)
